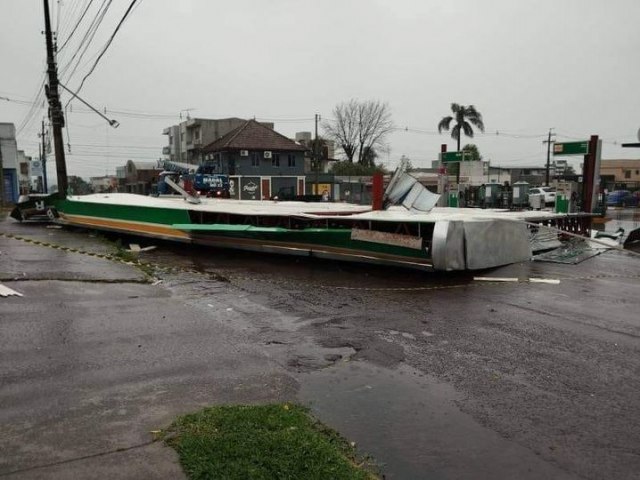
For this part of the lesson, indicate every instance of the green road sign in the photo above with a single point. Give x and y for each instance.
(447, 157)
(571, 148)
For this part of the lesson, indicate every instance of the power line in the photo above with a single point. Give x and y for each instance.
(73, 8)
(87, 38)
(76, 26)
(58, 16)
(38, 99)
(19, 102)
(105, 48)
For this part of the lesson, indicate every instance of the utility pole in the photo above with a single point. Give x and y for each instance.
(316, 157)
(55, 108)
(443, 179)
(43, 159)
(548, 142)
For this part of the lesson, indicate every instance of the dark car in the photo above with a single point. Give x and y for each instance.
(622, 198)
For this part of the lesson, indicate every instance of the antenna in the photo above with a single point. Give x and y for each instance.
(186, 110)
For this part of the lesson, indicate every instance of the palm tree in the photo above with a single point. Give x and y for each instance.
(464, 118)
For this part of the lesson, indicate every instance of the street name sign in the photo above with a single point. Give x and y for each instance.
(447, 157)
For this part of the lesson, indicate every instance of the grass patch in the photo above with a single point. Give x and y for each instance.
(277, 441)
(128, 256)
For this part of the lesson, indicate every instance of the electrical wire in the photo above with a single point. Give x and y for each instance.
(87, 38)
(67, 19)
(58, 15)
(76, 26)
(84, 46)
(107, 45)
(19, 102)
(38, 99)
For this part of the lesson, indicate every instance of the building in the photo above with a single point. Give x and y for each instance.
(24, 173)
(107, 183)
(139, 177)
(327, 153)
(620, 173)
(9, 163)
(121, 178)
(260, 162)
(187, 138)
(532, 175)
(475, 173)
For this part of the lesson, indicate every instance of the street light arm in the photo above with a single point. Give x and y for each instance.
(113, 123)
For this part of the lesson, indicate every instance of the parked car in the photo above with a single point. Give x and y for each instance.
(622, 198)
(549, 193)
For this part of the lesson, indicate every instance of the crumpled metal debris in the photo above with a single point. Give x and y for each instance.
(572, 252)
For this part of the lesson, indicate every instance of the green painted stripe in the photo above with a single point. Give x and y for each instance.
(162, 216)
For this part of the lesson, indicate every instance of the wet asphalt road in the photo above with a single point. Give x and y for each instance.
(436, 376)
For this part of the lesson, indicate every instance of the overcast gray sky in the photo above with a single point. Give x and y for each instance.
(527, 66)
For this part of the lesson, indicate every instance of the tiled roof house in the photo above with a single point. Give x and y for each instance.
(264, 161)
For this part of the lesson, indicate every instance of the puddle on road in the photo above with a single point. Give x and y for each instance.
(626, 218)
(411, 426)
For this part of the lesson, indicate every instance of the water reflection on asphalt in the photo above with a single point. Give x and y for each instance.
(411, 420)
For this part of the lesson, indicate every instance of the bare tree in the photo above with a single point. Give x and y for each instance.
(359, 128)
(344, 130)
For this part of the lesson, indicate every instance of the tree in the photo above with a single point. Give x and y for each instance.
(471, 152)
(464, 117)
(78, 185)
(408, 163)
(359, 128)
(369, 157)
(319, 151)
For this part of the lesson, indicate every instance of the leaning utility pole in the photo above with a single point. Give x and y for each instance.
(548, 142)
(55, 107)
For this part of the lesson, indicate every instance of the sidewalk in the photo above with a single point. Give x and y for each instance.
(93, 358)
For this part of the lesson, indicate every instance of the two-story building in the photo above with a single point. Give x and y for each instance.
(620, 174)
(187, 139)
(137, 177)
(261, 163)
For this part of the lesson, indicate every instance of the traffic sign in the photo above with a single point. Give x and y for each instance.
(571, 148)
(447, 157)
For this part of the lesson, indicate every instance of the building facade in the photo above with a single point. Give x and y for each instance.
(25, 174)
(107, 183)
(139, 177)
(187, 139)
(9, 160)
(620, 171)
(260, 162)
(327, 153)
